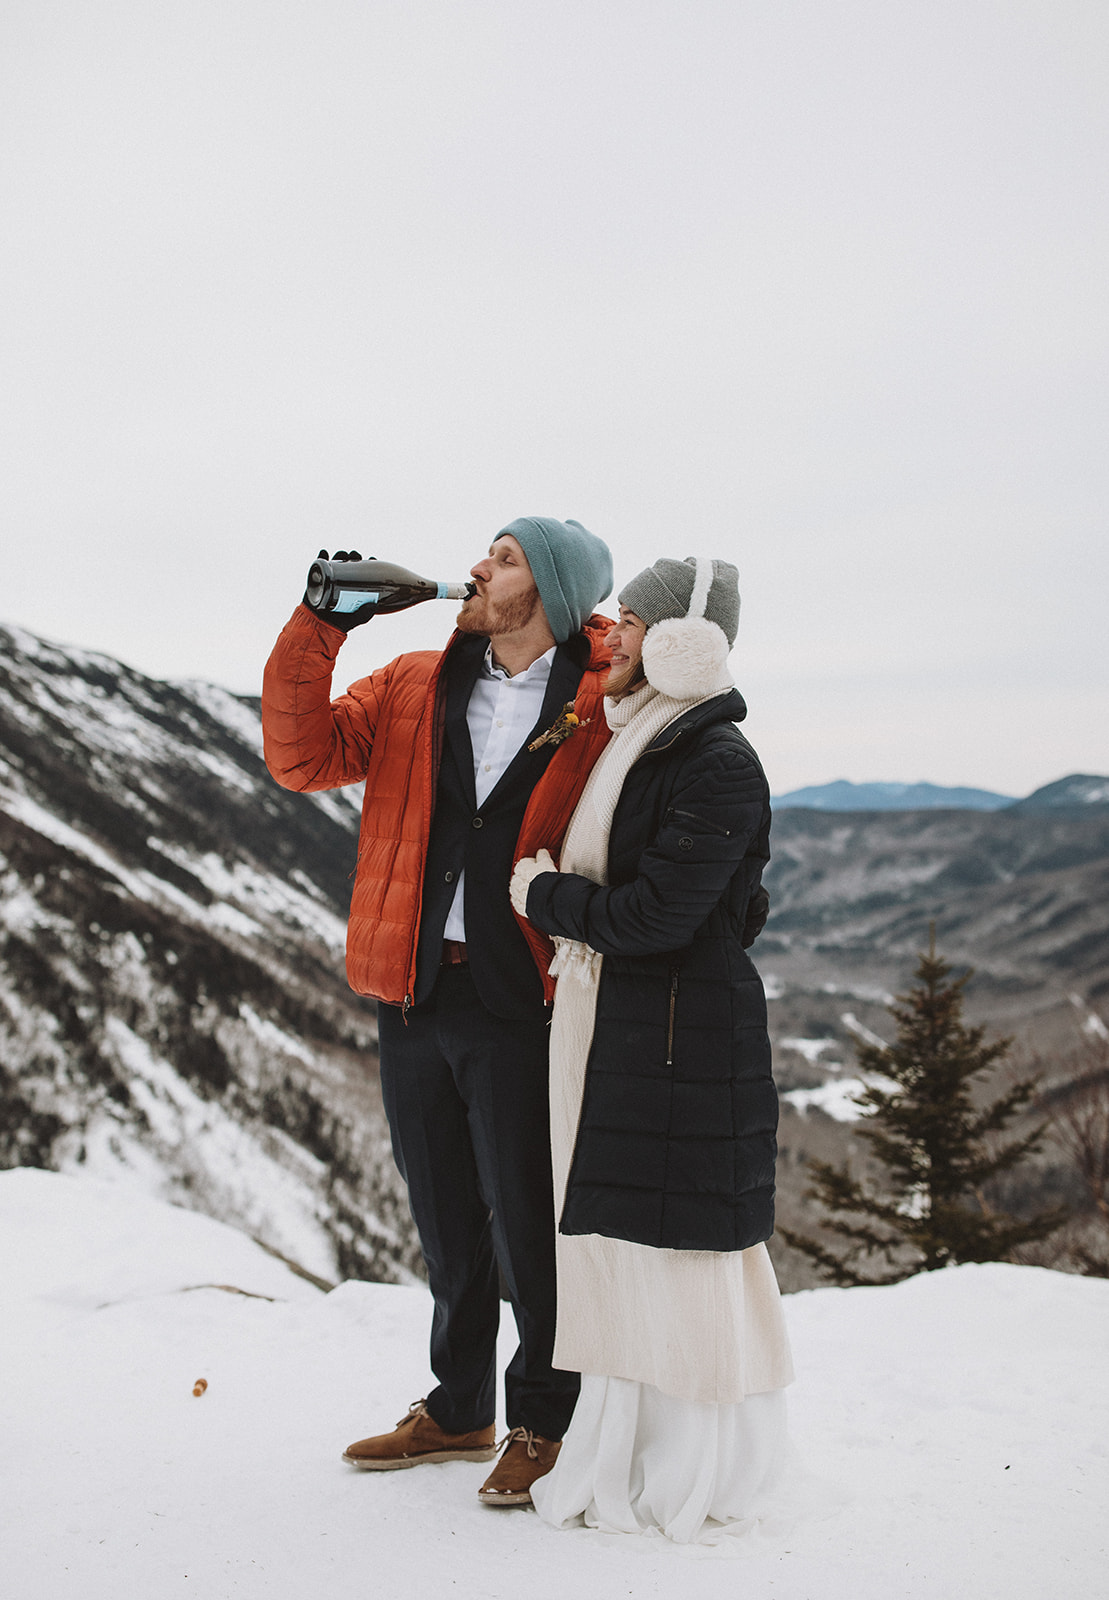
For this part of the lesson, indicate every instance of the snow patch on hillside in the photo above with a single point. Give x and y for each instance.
(836, 1099)
(811, 1049)
(241, 719)
(274, 1191)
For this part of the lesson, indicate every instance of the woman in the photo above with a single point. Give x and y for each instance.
(663, 1109)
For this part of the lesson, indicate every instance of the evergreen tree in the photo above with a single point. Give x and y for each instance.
(937, 1146)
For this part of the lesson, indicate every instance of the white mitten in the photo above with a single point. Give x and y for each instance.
(525, 871)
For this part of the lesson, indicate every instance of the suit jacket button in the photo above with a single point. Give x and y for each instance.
(448, 877)
(478, 822)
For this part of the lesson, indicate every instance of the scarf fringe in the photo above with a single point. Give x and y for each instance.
(572, 959)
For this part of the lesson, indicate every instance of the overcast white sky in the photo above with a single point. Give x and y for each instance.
(819, 287)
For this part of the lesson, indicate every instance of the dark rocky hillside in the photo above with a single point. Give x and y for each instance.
(173, 1010)
(1021, 895)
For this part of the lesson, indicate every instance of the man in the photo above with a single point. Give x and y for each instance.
(460, 783)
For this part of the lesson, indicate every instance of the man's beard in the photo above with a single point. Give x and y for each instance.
(492, 617)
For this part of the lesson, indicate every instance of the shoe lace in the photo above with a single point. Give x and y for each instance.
(418, 1408)
(526, 1436)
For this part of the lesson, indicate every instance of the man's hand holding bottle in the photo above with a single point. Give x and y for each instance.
(344, 590)
(328, 613)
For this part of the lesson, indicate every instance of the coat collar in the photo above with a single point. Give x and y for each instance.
(728, 706)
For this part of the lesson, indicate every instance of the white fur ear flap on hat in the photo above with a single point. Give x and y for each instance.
(687, 656)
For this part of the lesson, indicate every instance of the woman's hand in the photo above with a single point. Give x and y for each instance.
(526, 870)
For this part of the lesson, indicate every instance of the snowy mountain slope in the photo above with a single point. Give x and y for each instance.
(952, 1430)
(172, 1001)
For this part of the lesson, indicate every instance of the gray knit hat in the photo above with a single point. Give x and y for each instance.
(691, 609)
(572, 569)
(666, 589)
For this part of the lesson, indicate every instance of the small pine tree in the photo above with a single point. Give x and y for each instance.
(935, 1144)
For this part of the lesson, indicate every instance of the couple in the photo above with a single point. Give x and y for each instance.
(544, 731)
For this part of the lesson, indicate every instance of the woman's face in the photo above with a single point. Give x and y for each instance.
(625, 640)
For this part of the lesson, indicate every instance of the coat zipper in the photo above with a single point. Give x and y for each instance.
(673, 1004)
(693, 816)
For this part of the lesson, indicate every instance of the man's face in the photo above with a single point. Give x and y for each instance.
(507, 598)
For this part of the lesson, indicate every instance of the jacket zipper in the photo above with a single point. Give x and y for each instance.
(673, 1004)
(692, 816)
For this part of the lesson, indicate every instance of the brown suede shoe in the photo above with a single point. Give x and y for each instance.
(528, 1456)
(418, 1437)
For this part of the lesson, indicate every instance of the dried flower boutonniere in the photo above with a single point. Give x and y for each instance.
(566, 723)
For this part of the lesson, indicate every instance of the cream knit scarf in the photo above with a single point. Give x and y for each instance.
(635, 722)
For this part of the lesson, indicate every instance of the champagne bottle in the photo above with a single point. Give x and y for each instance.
(346, 585)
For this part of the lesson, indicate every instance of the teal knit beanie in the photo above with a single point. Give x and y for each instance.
(572, 569)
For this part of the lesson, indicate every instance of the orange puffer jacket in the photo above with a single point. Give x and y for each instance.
(387, 729)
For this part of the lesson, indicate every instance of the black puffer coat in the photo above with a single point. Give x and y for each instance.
(676, 1142)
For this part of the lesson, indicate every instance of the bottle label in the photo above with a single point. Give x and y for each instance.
(443, 592)
(351, 599)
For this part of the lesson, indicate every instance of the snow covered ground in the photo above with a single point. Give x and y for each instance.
(956, 1428)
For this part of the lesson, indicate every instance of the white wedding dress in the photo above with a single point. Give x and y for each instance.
(681, 1423)
(636, 1460)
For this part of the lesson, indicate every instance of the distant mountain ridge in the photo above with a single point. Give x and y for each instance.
(1080, 789)
(844, 796)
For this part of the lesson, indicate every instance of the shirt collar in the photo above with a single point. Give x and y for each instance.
(540, 668)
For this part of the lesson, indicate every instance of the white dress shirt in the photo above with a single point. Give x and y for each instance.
(501, 713)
